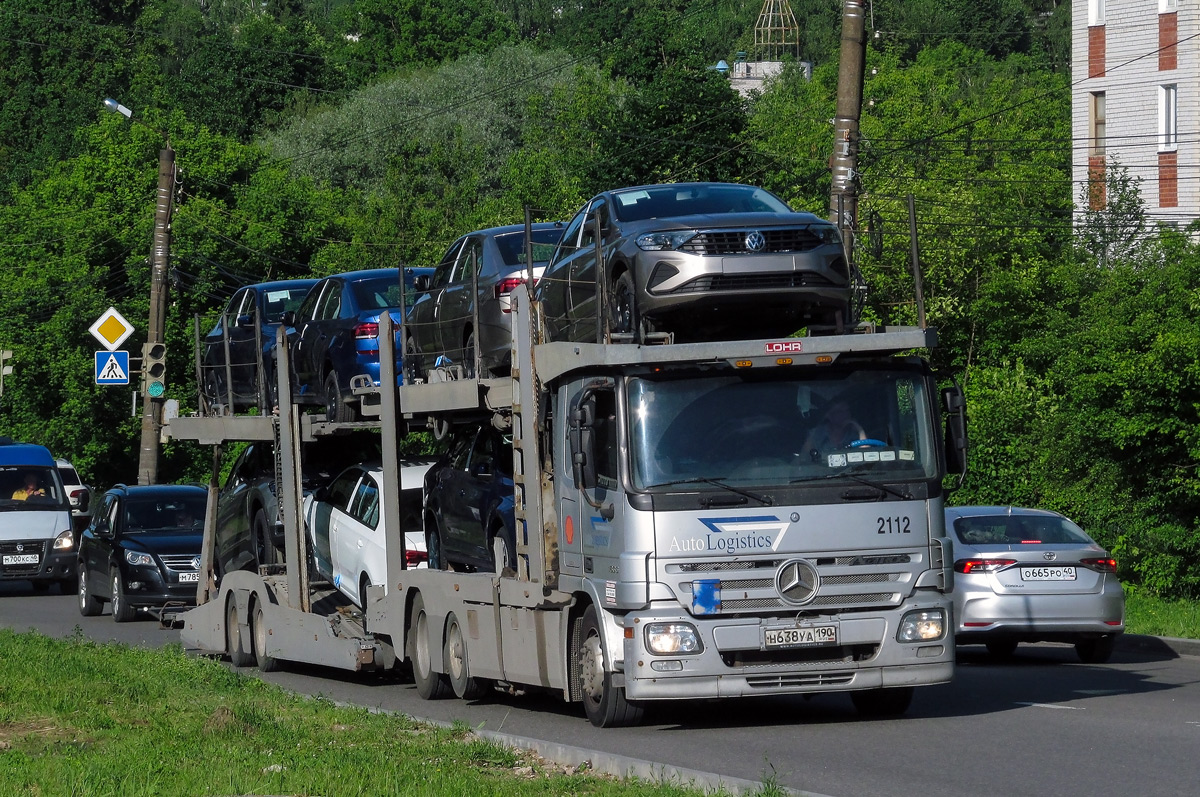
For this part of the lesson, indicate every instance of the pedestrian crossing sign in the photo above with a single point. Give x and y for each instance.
(112, 368)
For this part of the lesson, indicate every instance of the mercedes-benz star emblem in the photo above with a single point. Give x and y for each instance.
(797, 581)
(1049, 556)
(755, 241)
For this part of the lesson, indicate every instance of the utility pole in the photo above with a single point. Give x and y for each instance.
(154, 354)
(843, 205)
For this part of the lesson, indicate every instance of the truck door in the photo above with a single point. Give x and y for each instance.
(595, 453)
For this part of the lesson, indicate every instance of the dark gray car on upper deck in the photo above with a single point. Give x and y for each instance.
(705, 261)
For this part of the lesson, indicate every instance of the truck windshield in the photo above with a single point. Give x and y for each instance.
(778, 428)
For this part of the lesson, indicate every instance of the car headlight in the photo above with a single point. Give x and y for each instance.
(922, 625)
(666, 639)
(65, 541)
(664, 240)
(139, 559)
(828, 233)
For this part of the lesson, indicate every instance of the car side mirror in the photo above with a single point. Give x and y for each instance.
(421, 283)
(84, 500)
(245, 320)
(102, 528)
(289, 318)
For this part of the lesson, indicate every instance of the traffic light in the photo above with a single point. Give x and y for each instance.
(154, 368)
(5, 368)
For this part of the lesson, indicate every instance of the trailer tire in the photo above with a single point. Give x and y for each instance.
(604, 704)
(238, 655)
(430, 685)
(887, 702)
(258, 636)
(458, 664)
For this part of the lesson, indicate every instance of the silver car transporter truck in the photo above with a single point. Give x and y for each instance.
(715, 519)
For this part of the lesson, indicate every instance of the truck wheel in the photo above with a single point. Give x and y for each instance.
(89, 605)
(122, 612)
(604, 704)
(258, 637)
(430, 685)
(238, 656)
(458, 665)
(624, 307)
(1095, 651)
(891, 702)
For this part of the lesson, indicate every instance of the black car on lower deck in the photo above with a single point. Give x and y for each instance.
(142, 549)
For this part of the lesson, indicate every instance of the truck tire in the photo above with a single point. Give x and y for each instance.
(604, 704)
(258, 637)
(238, 655)
(430, 685)
(89, 604)
(122, 612)
(890, 702)
(458, 665)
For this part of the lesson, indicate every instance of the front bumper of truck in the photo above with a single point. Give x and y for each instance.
(735, 661)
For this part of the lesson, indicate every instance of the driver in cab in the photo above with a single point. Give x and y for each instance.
(836, 429)
(29, 489)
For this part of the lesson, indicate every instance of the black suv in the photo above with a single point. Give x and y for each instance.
(142, 549)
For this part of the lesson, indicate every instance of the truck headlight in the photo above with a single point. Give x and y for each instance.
(139, 559)
(667, 639)
(922, 625)
(65, 541)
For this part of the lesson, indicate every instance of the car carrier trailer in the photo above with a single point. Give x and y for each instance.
(678, 536)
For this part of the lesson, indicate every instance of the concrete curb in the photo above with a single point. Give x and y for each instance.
(1142, 643)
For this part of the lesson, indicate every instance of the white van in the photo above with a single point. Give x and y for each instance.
(36, 540)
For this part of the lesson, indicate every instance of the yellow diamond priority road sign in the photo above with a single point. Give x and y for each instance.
(111, 329)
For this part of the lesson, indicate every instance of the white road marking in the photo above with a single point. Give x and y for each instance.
(1051, 705)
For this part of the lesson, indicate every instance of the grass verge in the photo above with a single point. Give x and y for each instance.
(1146, 614)
(78, 717)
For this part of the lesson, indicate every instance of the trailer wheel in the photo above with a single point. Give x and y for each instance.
(238, 655)
(604, 704)
(258, 634)
(891, 702)
(430, 685)
(457, 663)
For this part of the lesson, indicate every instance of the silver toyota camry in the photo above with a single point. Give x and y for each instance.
(1031, 575)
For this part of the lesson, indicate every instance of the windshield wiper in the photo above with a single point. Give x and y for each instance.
(765, 500)
(853, 473)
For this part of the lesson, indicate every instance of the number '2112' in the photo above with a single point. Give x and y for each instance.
(901, 524)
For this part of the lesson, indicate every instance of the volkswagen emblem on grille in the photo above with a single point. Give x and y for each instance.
(1048, 556)
(755, 241)
(797, 581)
(196, 562)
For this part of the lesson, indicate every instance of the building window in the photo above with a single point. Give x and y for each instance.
(1167, 130)
(1096, 12)
(1167, 6)
(1096, 124)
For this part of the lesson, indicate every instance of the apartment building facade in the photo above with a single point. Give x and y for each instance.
(1135, 101)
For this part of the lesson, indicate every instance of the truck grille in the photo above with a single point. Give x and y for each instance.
(749, 586)
(789, 680)
(733, 242)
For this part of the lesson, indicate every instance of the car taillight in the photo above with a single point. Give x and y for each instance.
(366, 331)
(77, 492)
(982, 565)
(1100, 565)
(414, 558)
(507, 286)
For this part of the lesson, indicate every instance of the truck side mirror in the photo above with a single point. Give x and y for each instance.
(955, 406)
(583, 467)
